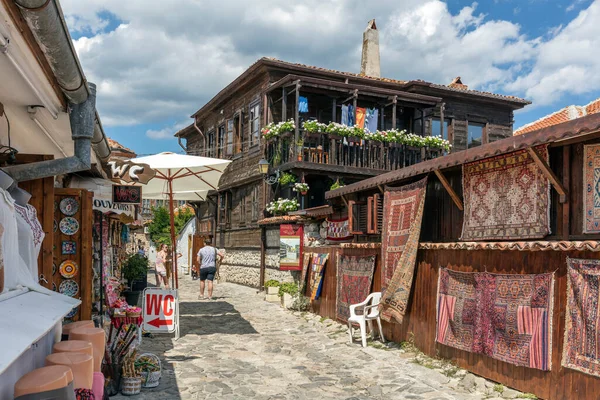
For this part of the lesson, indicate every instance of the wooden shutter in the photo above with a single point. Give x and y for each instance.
(375, 214)
(357, 217)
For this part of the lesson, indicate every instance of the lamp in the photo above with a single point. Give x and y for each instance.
(263, 166)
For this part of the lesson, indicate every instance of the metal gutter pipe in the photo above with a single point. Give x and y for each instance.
(202, 134)
(181, 144)
(83, 125)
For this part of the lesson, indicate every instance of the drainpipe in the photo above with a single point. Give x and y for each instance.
(201, 134)
(83, 126)
(181, 144)
(99, 141)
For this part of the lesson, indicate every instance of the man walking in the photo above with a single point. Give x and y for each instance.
(207, 260)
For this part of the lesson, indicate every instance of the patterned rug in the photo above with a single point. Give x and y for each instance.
(506, 317)
(506, 197)
(316, 276)
(403, 208)
(306, 259)
(338, 230)
(591, 188)
(354, 278)
(581, 348)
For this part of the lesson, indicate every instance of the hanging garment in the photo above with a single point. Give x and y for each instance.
(27, 249)
(302, 104)
(351, 116)
(344, 114)
(125, 234)
(371, 120)
(360, 116)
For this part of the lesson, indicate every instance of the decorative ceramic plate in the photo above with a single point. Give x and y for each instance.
(55, 226)
(72, 313)
(54, 287)
(69, 226)
(68, 269)
(69, 288)
(54, 268)
(69, 206)
(69, 247)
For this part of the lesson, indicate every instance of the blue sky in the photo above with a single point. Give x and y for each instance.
(156, 62)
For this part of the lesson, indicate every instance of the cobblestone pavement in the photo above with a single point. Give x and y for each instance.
(239, 346)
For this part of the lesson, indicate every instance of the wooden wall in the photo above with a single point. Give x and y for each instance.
(420, 322)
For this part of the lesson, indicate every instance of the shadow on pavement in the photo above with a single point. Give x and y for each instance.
(212, 317)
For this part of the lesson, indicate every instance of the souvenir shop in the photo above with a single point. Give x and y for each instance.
(487, 258)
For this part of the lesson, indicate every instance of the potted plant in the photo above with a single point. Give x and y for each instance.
(301, 187)
(337, 184)
(287, 292)
(282, 206)
(135, 270)
(287, 179)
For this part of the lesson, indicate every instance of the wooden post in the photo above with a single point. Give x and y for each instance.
(442, 120)
(394, 103)
(449, 189)
(284, 104)
(173, 240)
(334, 110)
(297, 122)
(566, 180)
(543, 165)
(263, 264)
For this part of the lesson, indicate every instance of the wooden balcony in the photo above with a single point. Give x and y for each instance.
(327, 149)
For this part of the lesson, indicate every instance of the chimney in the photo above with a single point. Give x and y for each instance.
(370, 64)
(457, 84)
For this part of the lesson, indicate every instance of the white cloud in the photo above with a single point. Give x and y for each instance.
(166, 132)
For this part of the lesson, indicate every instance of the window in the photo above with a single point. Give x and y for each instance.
(229, 148)
(238, 136)
(357, 217)
(255, 203)
(221, 142)
(225, 208)
(435, 127)
(475, 134)
(254, 124)
(242, 207)
(212, 150)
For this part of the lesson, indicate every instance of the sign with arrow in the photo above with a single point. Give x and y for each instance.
(161, 311)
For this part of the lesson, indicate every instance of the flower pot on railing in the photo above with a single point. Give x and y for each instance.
(304, 193)
(333, 136)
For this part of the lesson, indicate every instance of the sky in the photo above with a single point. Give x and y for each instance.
(156, 62)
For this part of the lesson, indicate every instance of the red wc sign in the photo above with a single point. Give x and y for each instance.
(160, 311)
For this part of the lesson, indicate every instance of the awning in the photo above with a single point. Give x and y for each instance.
(102, 189)
(26, 318)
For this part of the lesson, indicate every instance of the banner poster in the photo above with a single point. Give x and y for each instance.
(290, 247)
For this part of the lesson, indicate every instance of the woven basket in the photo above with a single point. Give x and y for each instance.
(151, 379)
(131, 386)
(134, 314)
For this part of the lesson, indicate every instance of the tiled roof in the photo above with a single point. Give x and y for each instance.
(558, 117)
(116, 146)
(279, 220)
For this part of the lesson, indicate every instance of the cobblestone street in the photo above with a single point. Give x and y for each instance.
(239, 346)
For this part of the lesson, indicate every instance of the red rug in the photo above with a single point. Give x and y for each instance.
(506, 197)
(354, 278)
(506, 317)
(403, 208)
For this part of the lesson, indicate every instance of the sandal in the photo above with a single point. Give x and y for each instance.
(200, 297)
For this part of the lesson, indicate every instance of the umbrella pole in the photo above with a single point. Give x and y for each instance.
(173, 241)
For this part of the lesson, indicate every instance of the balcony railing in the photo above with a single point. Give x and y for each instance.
(349, 152)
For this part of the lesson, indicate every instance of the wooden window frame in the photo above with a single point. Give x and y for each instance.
(483, 124)
(221, 140)
(255, 215)
(212, 143)
(229, 143)
(355, 220)
(374, 214)
(254, 138)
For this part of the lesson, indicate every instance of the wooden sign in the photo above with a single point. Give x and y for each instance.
(130, 172)
(127, 194)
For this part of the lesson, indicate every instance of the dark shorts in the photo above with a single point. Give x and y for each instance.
(208, 273)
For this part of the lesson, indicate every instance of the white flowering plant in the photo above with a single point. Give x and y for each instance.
(314, 127)
(282, 206)
(300, 187)
(275, 129)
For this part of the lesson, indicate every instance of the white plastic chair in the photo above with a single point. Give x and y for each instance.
(370, 312)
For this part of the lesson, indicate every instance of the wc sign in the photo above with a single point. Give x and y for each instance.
(161, 311)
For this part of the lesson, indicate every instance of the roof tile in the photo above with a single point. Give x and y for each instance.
(568, 113)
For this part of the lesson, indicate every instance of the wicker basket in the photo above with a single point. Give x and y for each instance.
(151, 379)
(134, 314)
(131, 386)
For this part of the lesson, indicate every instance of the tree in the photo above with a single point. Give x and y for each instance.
(160, 227)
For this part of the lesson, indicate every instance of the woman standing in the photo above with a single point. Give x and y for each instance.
(161, 269)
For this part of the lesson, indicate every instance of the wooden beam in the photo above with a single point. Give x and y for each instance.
(345, 201)
(545, 168)
(380, 189)
(394, 103)
(566, 178)
(449, 189)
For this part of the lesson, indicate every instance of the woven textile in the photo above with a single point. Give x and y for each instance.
(306, 259)
(581, 349)
(354, 278)
(591, 188)
(506, 317)
(403, 208)
(317, 269)
(338, 230)
(506, 197)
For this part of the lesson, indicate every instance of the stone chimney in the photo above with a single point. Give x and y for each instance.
(370, 64)
(457, 84)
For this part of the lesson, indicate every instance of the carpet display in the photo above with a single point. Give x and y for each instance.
(317, 269)
(338, 230)
(506, 317)
(403, 208)
(306, 259)
(354, 278)
(581, 349)
(591, 188)
(506, 197)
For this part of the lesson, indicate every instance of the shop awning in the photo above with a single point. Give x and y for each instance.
(102, 189)
(26, 318)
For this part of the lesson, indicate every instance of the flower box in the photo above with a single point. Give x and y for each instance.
(287, 300)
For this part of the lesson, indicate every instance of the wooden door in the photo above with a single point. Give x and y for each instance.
(82, 250)
(198, 243)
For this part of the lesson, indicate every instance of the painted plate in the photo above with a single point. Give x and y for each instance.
(55, 226)
(69, 288)
(68, 269)
(54, 268)
(69, 247)
(72, 313)
(54, 287)
(69, 206)
(69, 226)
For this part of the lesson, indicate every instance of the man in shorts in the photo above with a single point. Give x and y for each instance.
(207, 260)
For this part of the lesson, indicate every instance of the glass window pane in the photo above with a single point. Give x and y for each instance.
(435, 127)
(417, 127)
(475, 135)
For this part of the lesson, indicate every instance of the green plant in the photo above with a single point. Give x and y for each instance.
(527, 396)
(135, 267)
(300, 187)
(337, 184)
(499, 388)
(159, 229)
(272, 283)
(289, 288)
(286, 178)
(301, 303)
(275, 129)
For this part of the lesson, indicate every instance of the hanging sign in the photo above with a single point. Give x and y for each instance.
(127, 194)
(161, 310)
(291, 239)
(130, 172)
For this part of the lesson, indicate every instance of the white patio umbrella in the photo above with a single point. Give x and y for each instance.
(179, 176)
(185, 196)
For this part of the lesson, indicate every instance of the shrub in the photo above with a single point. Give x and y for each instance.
(136, 267)
(289, 288)
(287, 178)
(337, 184)
(301, 303)
(272, 283)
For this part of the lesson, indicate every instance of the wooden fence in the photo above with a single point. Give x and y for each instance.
(420, 323)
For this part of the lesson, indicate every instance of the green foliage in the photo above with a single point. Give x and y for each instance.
(527, 396)
(136, 267)
(287, 178)
(289, 288)
(301, 303)
(160, 227)
(272, 283)
(499, 388)
(337, 184)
